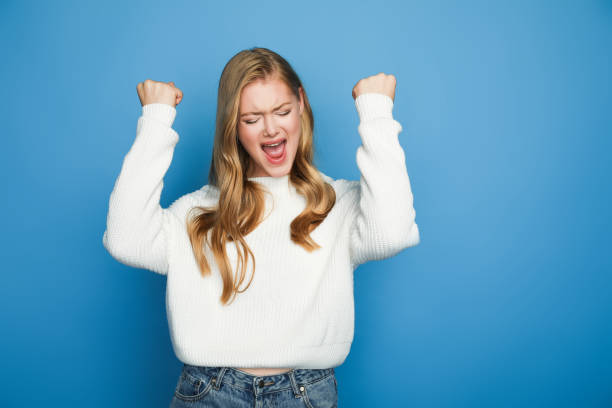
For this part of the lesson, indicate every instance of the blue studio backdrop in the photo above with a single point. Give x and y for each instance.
(506, 114)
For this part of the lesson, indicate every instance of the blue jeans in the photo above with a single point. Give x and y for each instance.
(230, 387)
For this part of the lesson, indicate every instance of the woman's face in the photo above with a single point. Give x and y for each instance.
(269, 112)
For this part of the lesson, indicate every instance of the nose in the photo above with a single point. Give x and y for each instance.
(270, 128)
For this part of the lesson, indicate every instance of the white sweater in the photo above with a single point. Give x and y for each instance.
(299, 310)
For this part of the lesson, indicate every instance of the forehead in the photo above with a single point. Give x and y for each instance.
(264, 94)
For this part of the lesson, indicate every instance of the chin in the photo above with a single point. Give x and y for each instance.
(278, 172)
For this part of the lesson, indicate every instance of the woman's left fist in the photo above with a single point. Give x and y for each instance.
(379, 83)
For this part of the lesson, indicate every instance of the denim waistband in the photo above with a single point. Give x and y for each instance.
(258, 384)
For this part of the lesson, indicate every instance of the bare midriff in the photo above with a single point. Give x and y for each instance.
(264, 371)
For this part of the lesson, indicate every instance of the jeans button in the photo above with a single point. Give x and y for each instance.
(261, 383)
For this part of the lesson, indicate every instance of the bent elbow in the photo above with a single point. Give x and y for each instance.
(108, 244)
(414, 237)
(111, 244)
(408, 237)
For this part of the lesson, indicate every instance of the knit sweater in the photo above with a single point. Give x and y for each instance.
(298, 311)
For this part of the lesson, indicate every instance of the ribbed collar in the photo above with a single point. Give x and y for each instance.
(276, 185)
(281, 186)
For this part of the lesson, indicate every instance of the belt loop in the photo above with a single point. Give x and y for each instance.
(219, 377)
(294, 385)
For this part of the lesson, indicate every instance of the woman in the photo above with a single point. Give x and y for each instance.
(277, 343)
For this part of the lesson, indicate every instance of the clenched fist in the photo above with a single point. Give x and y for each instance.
(379, 83)
(158, 92)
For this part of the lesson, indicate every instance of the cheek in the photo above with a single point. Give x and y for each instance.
(293, 126)
(248, 138)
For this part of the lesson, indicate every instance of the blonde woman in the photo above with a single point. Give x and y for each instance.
(259, 262)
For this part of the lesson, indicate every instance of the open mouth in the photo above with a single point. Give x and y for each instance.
(275, 151)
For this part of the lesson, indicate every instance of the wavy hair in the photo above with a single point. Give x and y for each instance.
(241, 203)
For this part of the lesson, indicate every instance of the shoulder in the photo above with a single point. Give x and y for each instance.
(205, 196)
(345, 189)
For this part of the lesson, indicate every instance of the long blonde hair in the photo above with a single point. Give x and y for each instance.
(241, 203)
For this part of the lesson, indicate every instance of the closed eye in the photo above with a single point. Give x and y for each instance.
(250, 122)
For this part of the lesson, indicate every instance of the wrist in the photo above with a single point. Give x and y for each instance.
(373, 105)
(161, 112)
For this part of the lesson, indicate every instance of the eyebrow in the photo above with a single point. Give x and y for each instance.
(255, 113)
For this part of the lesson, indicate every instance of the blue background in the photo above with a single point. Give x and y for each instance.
(507, 126)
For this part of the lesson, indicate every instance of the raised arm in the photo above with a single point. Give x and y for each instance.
(136, 233)
(136, 226)
(383, 220)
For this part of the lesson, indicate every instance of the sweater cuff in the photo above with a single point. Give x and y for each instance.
(161, 112)
(373, 105)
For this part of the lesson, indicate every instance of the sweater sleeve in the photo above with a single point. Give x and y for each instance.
(136, 226)
(383, 220)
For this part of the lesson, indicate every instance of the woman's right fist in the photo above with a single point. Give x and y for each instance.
(151, 91)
